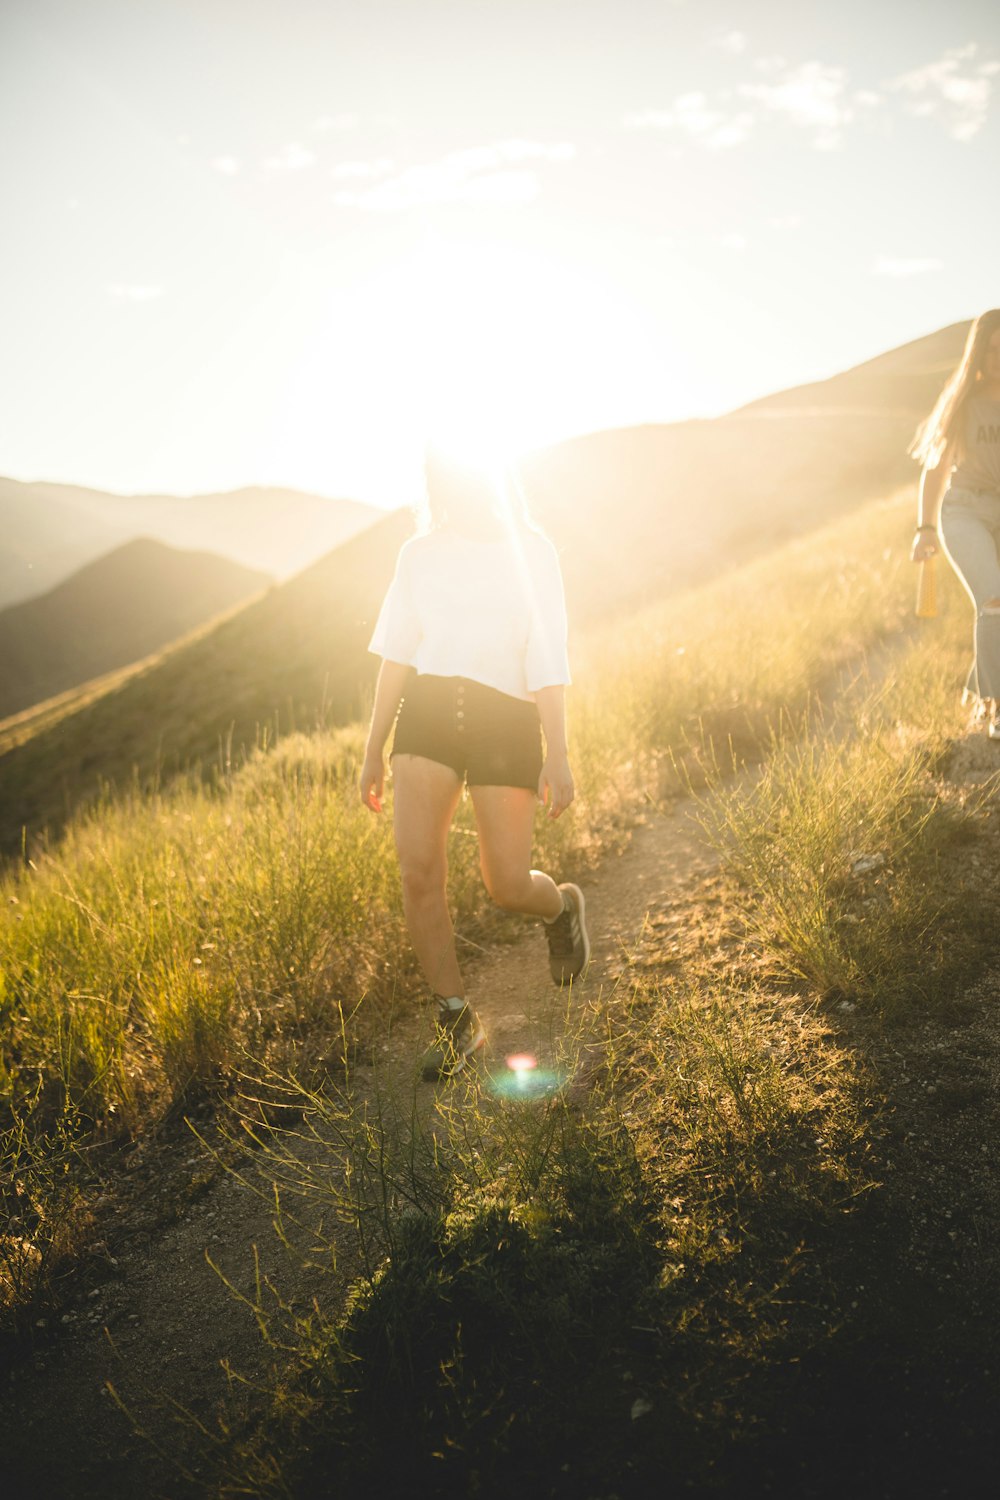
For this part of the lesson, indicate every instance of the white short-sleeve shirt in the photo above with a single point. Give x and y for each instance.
(491, 611)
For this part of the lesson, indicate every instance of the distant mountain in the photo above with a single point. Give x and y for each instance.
(48, 531)
(124, 606)
(636, 513)
(286, 658)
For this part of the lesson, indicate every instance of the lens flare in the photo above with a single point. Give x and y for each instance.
(522, 1062)
(524, 1079)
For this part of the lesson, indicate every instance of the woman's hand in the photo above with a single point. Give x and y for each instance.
(555, 785)
(925, 545)
(373, 780)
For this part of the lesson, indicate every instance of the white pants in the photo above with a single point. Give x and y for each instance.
(970, 530)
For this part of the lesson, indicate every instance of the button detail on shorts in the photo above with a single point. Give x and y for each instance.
(484, 735)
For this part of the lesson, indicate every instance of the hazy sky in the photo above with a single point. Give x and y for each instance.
(252, 241)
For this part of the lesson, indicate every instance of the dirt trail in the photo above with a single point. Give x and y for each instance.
(163, 1323)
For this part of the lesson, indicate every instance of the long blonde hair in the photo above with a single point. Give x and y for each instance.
(456, 490)
(944, 423)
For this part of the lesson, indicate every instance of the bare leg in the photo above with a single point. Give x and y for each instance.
(425, 795)
(505, 817)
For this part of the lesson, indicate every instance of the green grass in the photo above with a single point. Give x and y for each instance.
(727, 661)
(174, 935)
(838, 851)
(175, 930)
(851, 847)
(550, 1261)
(623, 1276)
(678, 1235)
(168, 931)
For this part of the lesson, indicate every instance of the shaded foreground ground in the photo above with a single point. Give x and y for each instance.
(903, 1400)
(156, 1319)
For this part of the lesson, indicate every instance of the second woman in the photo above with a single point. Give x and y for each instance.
(959, 500)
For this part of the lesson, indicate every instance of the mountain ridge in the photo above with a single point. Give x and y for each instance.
(49, 530)
(111, 612)
(909, 374)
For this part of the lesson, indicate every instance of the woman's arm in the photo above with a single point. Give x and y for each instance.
(555, 785)
(932, 487)
(392, 677)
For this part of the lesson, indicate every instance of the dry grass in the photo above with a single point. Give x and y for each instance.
(675, 1232)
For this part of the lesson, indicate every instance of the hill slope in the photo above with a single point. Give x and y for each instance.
(906, 379)
(639, 511)
(111, 612)
(48, 531)
(636, 514)
(283, 656)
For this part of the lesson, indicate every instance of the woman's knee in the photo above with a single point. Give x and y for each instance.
(509, 889)
(423, 876)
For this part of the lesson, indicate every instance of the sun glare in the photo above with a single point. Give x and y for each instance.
(512, 348)
(485, 346)
(480, 320)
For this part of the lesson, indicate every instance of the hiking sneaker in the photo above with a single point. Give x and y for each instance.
(457, 1037)
(569, 945)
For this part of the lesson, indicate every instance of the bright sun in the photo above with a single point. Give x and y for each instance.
(482, 327)
(483, 347)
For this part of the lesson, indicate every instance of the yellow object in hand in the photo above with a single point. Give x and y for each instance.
(927, 589)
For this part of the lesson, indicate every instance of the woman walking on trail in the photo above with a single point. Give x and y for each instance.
(959, 502)
(472, 635)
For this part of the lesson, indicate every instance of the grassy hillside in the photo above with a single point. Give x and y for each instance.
(48, 531)
(276, 662)
(124, 606)
(758, 1215)
(638, 515)
(265, 867)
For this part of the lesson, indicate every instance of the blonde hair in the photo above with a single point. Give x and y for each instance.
(498, 493)
(944, 423)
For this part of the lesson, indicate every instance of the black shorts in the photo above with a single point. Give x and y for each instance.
(487, 738)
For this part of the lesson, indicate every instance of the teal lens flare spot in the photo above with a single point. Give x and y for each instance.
(522, 1078)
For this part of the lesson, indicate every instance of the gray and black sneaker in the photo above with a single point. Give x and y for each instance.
(458, 1035)
(569, 945)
